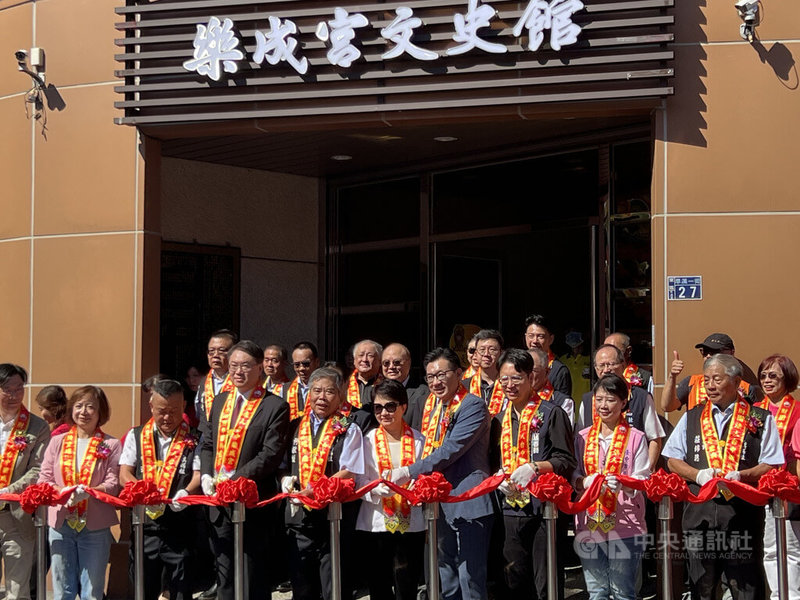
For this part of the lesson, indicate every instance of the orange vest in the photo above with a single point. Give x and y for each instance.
(697, 390)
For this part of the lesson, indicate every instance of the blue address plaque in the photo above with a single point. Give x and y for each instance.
(685, 287)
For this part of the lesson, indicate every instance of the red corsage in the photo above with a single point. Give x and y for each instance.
(103, 451)
(20, 442)
(339, 425)
(754, 423)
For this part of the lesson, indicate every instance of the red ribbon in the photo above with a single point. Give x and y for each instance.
(548, 487)
(238, 490)
(141, 492)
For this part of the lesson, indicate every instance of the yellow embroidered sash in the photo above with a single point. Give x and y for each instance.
(14, 446)
(602, 513)
(396, 509)
(230, 436)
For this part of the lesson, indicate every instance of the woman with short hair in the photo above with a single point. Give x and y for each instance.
(80, 531)
(392, 528)
(609, 535)
(778, 377)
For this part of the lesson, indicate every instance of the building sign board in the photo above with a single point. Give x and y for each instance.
(215, 44)
(685, 287)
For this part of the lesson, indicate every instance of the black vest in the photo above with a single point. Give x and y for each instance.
(634, 413)
(181, 479)
(720, 513)
(316, 518)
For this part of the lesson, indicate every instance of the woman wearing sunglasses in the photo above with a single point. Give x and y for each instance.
(778, 377)
(392, 530)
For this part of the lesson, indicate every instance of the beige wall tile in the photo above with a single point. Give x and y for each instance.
(751, 135)
(749, 289)
(780, 19)
(86, 168)
(15, 315)
(78, 37)
(16, 29)
(15, 158)
(83, 309)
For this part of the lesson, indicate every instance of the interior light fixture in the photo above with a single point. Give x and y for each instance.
(341, 157)
(445, 138)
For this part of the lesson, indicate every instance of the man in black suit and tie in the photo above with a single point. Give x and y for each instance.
(247, 437)
(396, 365)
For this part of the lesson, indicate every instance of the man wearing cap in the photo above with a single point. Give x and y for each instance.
(578, 363)
(725, 437)
(539, 334)
(633, 373)
(690, 391)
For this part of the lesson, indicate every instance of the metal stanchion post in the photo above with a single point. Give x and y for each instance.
(335, 518)
(237, 518)
(40, 522)
(550, 514)
(138, 557)
(431, 512)
(664, 518)
(779, 513)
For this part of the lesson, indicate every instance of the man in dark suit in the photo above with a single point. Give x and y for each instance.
(396, 365)
(250, 444)
(456, 428)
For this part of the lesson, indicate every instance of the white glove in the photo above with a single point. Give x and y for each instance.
(175, 505)
(523, 475)
(78, 496)
(399, 476)
(705, 475)
(208, 485)
(733, 476)
(382, 491)
(612, 483)
(587, 481)
(287, 483)
(506, 488)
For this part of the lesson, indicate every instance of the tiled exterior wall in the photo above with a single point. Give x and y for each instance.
(72, 239)
(726, 201)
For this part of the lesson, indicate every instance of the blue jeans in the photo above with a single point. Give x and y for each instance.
(463, 551)
(79, 562)
(610, 567)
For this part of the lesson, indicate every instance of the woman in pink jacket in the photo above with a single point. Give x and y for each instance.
(609, 536)
(80, 531)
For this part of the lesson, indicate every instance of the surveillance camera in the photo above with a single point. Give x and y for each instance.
(21, 55)
(748, 9)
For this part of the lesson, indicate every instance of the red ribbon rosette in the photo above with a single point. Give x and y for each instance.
(332, 489)
(238, 490)
(432, 488)
(141, 492)
(551, 487)
(36, 495)
(666, 485)
(781, 484)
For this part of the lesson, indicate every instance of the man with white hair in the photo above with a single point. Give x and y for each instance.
(367, 363)
(725, 438)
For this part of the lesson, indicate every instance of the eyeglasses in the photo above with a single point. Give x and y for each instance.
(470, 350)
(243, 367)
(303, 363)
(708, 352)
(774, 375)
(393, 363)
(608, 365)
(441, 376)
(15, 391)
(492, 351)
(389, 407)
(513, 380)
(218, 351)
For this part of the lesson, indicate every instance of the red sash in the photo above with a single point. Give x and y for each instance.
(230, 436)
(16, 443)
(208, 391)
(783, 417)
(430, 420)
(396, 509)
(602, 513)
